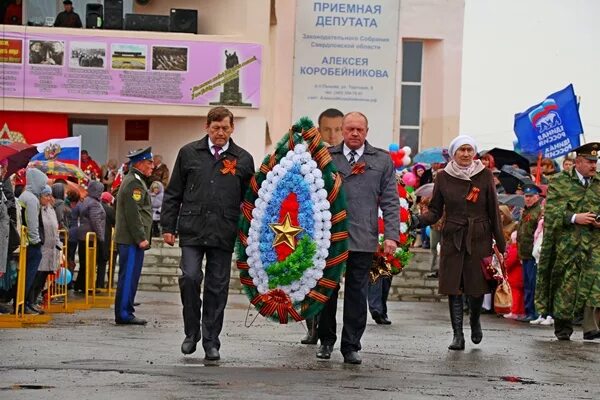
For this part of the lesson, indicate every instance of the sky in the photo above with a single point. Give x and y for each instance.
(517, 52)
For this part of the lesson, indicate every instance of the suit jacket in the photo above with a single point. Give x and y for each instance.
(202, 202)
(366, 192)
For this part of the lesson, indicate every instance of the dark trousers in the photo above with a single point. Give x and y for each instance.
(38, 285)
(378, 295)
(131, 259)
(34, 257)
(216, 289)
(529, 276)
(101, 261)
(355, 305)
(80, 281)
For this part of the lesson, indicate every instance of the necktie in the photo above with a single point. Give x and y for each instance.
(352, 159)
(216, 150)
(587, 182)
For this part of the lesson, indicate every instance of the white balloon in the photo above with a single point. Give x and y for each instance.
(406, 161)
(407, 150)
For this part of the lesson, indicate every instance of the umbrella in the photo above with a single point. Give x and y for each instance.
(18, 155)
(424, 191)
(58, 168)
(432, 155)
(70, 186)
(512, 200)
(504, 157)
(511, 177)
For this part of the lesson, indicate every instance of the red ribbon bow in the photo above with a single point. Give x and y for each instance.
(277, 301)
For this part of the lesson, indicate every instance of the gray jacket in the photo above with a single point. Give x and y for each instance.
(30, 203)
(92, 217)
(366, 193)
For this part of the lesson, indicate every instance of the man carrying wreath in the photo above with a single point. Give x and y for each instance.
(201, 205)
(369, 183)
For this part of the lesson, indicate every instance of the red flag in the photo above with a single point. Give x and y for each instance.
(538, 173)
(32, 127)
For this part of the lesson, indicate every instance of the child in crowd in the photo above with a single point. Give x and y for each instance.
(156, 196)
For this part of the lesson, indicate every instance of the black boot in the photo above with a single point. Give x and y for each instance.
(455, 304)
(311, 334)
(475, 306)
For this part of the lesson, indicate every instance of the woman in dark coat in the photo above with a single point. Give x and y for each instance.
(465, 189)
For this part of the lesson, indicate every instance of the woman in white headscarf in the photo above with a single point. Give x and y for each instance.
(465, 190)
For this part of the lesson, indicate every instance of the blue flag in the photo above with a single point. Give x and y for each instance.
(551, 127)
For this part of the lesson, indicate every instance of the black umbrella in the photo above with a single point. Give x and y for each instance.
(512, 200)
(18, 155)
(504, 157)
(511, 177)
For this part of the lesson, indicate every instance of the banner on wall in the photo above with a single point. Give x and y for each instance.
(345, 58)
(31, 127)
(129, 70)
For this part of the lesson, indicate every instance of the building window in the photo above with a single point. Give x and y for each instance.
(410, 97)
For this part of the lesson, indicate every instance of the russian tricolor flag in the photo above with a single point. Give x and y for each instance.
(67, 150)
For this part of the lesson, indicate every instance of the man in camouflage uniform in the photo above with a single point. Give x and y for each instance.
(527, 226)
(132, 233)
(568, 282)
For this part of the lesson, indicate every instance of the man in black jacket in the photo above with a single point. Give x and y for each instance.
(68, 18)
(202, 206)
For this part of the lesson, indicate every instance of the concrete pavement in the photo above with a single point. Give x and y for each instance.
(85, 355)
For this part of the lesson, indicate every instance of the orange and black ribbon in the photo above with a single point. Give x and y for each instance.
(229, 167)
(358, 168)
(277, 301)
(473, 195)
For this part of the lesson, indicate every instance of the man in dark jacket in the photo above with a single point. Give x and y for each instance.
(132, 233)
(68, 18)
(370, 184)
(202, 205)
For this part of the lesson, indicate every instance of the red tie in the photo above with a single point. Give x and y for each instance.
(216, 150)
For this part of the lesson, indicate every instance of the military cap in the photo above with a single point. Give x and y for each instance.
(140, 155)
(66, 2)
(588, 150)
(530, 189)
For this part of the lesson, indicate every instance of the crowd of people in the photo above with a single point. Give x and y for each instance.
(47, 206)
(551, 266)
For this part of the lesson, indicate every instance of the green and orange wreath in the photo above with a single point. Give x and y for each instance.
(293, 238)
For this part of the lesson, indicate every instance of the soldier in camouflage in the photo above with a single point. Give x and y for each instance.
(568, 282)
(527, 226)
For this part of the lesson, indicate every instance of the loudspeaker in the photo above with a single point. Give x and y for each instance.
(93, 16)
(113, 14)
(143, 22)
(183, 20)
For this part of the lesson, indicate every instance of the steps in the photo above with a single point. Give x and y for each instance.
(161, 271)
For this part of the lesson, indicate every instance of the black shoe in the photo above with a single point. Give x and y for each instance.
(212, 354)
(36, 309)
(311, 336)
(385, 320)
(591, 335)
(563, 336)
(377, 318)
(31, 311)
(189, 345)
(324, 352)
(455, 304)
(352, 358)
(475, 307)
(133, 321)
(432, 275)
(135, 304)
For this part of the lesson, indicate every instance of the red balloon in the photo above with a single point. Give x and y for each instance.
(400, 153)
(403, 214)
(401, 191)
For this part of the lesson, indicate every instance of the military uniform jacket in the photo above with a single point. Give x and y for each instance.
(134, 211)
(527, 226)
(372, 186)
(202, 201)
(568, 277)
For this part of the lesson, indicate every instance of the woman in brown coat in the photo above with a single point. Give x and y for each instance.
(465, 189)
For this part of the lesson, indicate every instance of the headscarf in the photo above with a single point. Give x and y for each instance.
(46, 190)
(107, 198)
(459, 141)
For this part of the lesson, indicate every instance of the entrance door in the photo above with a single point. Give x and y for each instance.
(94, 137)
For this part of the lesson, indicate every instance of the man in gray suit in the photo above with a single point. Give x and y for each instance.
(370, 184)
